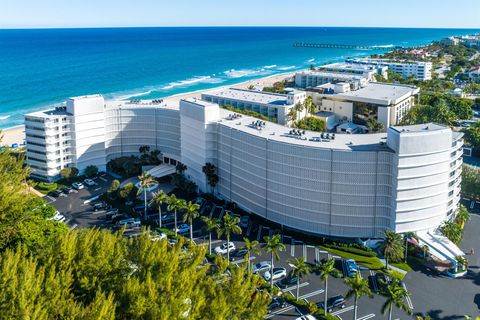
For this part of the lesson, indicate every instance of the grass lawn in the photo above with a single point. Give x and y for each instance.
(369, 262)
(402, 265)
(47, 187)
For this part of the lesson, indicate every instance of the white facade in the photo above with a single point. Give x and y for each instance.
(342, 185)
(305, 79)
(421, 70)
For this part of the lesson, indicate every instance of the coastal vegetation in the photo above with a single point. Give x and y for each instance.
(128, 166)
(471, 182)
(250, 113)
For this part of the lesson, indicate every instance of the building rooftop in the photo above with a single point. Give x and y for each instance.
(155, 103)
(420, 127)
(248, 95)
(379, 93)
(273, 131)
(56, 111)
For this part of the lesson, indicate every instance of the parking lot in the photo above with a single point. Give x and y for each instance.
(431, 293)
(73, 206)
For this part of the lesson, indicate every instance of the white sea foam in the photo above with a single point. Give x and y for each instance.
(286, 68)
(311, 60)
(4, 118)
(191, 81)
(270, 66)
(385, 46)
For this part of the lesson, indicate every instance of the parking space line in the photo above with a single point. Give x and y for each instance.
(302, 284)
(408, 299)
(374, 281)
(342, 311)
(368, 316)
(311, 294)
(279, 312)
(242, 260)
(259, 234)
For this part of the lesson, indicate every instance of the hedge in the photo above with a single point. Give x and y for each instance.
(354, 250)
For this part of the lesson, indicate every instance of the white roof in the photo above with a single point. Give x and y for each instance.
(379, 93)
(273, 131)
(247, 96)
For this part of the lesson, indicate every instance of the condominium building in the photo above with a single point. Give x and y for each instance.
(365, 70)
(407, 179)
(314, 78)
(272, 105)
(450, 41)
(385, 102)
(419, 69)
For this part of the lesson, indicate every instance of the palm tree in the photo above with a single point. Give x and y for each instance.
(327, 269)
(462, 216)
(358, 288)
(251, 247)
(175, 204)
(146, 181)
(299, 268)
(273, 245)
(211, 224)
(229, 226)
(392, 246)
(452, 231)
(396, 295)
(191, 212)
(159, 198)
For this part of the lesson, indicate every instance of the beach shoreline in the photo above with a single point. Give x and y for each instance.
(16, 134)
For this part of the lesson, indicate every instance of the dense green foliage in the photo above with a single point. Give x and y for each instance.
(453, 231)
(68, 173)
(311, 123)
(392, 246)
(472, 135)
(440, 108)
(90, 171)
(250, 113)
(352, 249)
(471, 181)
(22, 214)
(277, 87)
(132, 165)
(93, 274)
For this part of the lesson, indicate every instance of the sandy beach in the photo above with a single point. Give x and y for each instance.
(17, 134)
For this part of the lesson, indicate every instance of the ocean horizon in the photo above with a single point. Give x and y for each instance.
(42, 67)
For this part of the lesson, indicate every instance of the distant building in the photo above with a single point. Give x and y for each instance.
(472, 41)
(450, 41)
(314, 78)
(386, 102)
(273, 105)
(474, 73)
(365, 70)
(420, 70)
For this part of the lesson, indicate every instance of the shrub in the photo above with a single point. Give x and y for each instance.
(91, 171)
(353, 249)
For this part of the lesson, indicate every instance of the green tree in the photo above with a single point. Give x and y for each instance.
(472, 135)
(471, 181)
(69, 173)
(309, 105)
(91, 171)
(146, 181)
(159, 198)
(175, 204)
(299, 269)
(392, 247)
(210, 172)
(452, 231)
(273, 245)
(229, 226)
(396, 295)
(327, 269)
(358, 288)
(311, 123)
(211, 225)
(374, 125)
(112, 192)
(180, 168)
(190, 213)
(462, 216)
(251, 247)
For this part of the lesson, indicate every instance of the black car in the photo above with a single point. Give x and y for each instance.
(100, 206)
(276, 304)
(336, 302)
(56, 193)
(287, 282)
(238, 253)
(66, 190)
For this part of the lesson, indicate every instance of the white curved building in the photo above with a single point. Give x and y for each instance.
(407, 179)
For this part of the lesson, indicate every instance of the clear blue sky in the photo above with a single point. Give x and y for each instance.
(120, 13)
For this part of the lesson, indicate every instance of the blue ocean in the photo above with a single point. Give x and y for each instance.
(40, 67)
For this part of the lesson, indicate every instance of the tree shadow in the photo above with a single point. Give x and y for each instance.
(437, 315)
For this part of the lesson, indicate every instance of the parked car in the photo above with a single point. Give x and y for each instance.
(183, 228)
(158, 236)
(261, 267)
(169, 217)
(306, 317)
(238, 254)
(244, 220)
(66, 190)
(77, 185)
(56, 193)
(58, 217)
(287, 282)
(100, 206)
(224, 248)
(278, 273)
(89, 182)
(351, 267)
(277, 303)
(336, 302)
(130, 223)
